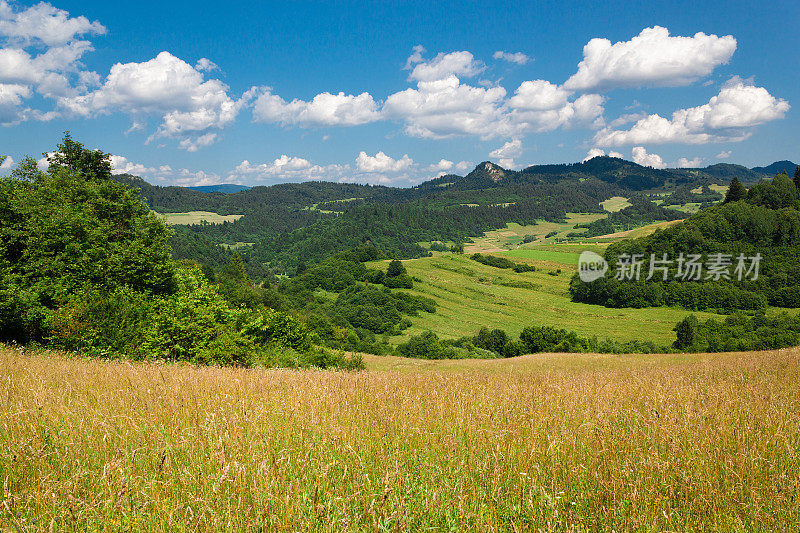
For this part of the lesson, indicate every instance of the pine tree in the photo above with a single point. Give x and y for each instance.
(736, 191)
(797, 177)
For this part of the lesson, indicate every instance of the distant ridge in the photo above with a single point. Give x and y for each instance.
(225, 188)
(777, 167)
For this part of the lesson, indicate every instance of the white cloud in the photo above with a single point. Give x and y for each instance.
(697, 162)
(41, 53)
(597, 152)
(415, 57)
(726, 117)
(288, 168)
(507, 153)
(189, 105)
(164, 174)
(725, 154)
(652, 58)
(325, 109)
(461, 166)
(442, 166)
(517, 57)
(44, 23)
(541, 106)
(11, 100)
(7, 164)
(641, 157)
(441, 67)
(444, 108)
(205, 65)
(382, 163)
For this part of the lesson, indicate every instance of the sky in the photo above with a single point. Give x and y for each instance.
(397, 93)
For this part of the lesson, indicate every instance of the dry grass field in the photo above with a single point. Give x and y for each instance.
(548, 442)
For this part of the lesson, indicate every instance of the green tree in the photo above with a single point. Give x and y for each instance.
(797, 177)
(71, 155)
(686, 332)
(396, 268)
(736, 191)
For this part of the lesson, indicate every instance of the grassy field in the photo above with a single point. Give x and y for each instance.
(470, 295)
(512, 235)
(195, 217)
(548, 442)
(615, 203)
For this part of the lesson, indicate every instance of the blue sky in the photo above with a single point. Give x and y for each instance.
(396, 93)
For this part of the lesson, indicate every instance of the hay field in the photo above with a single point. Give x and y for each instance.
(548, 442)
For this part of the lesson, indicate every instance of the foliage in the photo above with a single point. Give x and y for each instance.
(767, 222)
(502, 262)
(738, 332)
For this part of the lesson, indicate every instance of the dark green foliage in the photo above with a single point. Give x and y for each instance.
(796, 178)
(427, 345)
(439, 247)
(502, 262)
(778, 193)
(71, 156)
(457, 248)
(736, 191)
(395, 268)
(766, 222)
(494, 340)
(738, 332)
(61, 232)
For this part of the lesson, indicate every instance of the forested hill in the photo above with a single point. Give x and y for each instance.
(287, 224)
(618, 172)
(762, 222)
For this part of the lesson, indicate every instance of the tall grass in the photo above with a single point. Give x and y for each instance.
(551, 442)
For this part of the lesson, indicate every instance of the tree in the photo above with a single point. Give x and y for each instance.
(71, 155)
(736, 191)
(797, 177)
(395, 269)
(686, 332)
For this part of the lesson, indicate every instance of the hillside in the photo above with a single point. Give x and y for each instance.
(282, 225)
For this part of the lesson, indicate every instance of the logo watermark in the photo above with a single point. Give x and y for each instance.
(684, 267)
(591, 266)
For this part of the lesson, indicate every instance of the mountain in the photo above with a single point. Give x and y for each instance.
(776, 168)
(225, 188)
(726, 171)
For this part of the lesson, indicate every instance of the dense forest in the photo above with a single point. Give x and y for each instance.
(763, 221)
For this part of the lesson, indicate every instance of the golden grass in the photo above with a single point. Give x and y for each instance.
(196, 217)
(548, 442)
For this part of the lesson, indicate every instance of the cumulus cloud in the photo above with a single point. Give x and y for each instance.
(45, 24)
(164, 174)
(461, 64)
(382, 163)
(597, 152)
(726, 117)
(205, 65)
(507, 153)
(40, 54)
(442, 166)
(540, 106)
(445, 107)
(641, 157)
(725, 154)
(288, 168)
(652, 58)
(517, 57)
(7, 163)
(696, 162)
(325, 109)
(189, 105)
